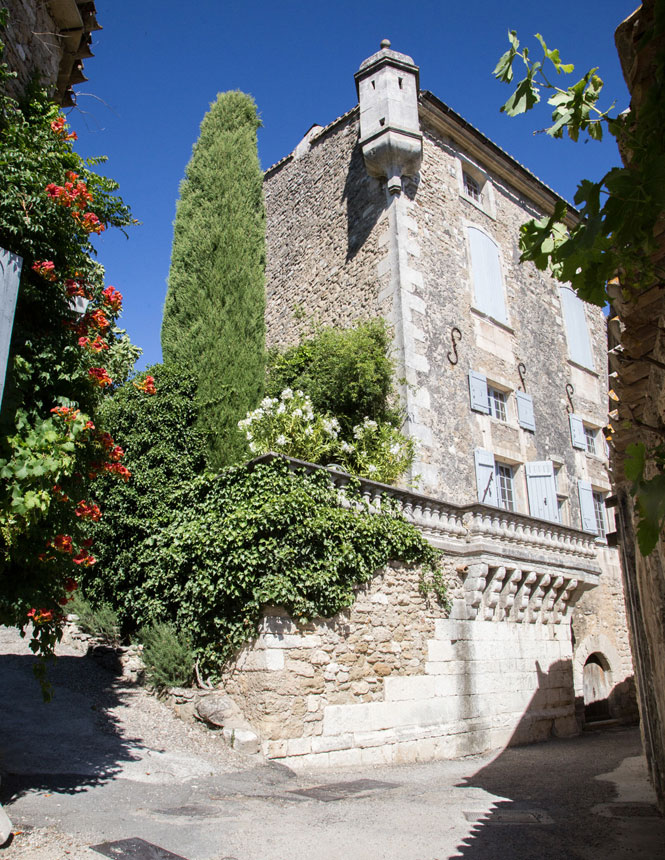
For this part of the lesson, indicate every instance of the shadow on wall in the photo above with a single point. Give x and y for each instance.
(365, 202)
(543, 789)
(65, 745)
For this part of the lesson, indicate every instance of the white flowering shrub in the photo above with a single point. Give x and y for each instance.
(288, 425)
(378, 451)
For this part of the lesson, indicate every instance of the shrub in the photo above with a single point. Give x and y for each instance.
(252, 536)
(100, 622)
(168, 656)
(62, 362)
(289, 425)
(345, 372)
(165, 450)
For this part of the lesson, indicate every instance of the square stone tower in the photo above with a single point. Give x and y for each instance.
(402, 209)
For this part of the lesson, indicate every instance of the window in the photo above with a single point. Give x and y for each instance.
(583, 436)
(577, 332)
(494, 481)
(497, 403)
(525, 414)
(504, 486)
(541, 487)
(561, 494)
(471, 187)
(588, 507)
(599, 511)
(590, 439)
(486, 275)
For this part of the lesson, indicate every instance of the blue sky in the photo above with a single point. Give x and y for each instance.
(158, 65)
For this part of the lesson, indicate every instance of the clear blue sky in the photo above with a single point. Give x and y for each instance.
(158, 65)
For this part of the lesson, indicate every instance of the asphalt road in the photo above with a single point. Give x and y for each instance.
(105, 765)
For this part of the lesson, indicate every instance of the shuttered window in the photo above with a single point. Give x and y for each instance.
(587, 507)
(486, 275)
(478, 392)
(541, 487)
(525, 414)
(485, 477)
(577, 332)
(577, 433)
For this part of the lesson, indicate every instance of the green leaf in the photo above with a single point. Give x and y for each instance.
(526, 95)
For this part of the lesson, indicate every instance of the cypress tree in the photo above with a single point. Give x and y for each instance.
(213, 321)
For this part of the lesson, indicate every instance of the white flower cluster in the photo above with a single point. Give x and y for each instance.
(331, 427)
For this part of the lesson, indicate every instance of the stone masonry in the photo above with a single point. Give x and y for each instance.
(403, 210)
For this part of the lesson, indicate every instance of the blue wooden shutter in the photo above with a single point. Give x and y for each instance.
(485, 477)
(586, 507)
(525, 414)
(478, 392)
(541, 487)
(577, 332)
(577, 432)
(486, 274)
(10, 275)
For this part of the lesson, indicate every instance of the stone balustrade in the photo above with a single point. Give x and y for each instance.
(473, 530)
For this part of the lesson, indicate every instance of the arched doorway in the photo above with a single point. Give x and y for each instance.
(597, 687)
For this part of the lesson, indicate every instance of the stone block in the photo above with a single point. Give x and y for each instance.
(329, 744)
(298, 746)
(344, 758)
(375, 755)
(299, 667)
(441, 650)
(274, 659)
(242, 740)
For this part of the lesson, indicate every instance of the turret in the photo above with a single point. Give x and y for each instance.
(390, 138)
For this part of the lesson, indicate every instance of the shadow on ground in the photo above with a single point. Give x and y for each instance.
(65, 745)
(549, 798)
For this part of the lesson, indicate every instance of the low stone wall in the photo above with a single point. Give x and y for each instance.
(394, 679)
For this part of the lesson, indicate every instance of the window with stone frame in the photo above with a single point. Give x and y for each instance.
(590, 439)
(497, 402)
(599, 511)
(504, 486)
(472, 187)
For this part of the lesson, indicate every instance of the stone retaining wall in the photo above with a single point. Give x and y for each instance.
(394, 679)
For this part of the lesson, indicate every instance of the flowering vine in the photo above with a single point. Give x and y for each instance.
(67, 354)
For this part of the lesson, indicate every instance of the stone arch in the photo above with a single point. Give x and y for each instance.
(596, 661)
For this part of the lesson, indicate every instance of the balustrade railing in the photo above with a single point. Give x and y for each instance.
(455, 526)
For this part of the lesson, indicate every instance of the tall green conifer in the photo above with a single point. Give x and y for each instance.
(213, 320)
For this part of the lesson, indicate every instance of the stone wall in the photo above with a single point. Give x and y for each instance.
(49, 40)
(323, 220)
(600, 632)
(31, 43)
(394, 679)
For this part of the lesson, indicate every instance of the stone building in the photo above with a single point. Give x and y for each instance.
(51, 39)
(402, 209)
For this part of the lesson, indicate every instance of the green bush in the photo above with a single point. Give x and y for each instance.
(288, 425)
(100, 622)
(345, 372)
(167, 655)
(164, 450)
(248, 537)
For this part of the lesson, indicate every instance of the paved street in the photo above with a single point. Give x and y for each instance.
(104, 763)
